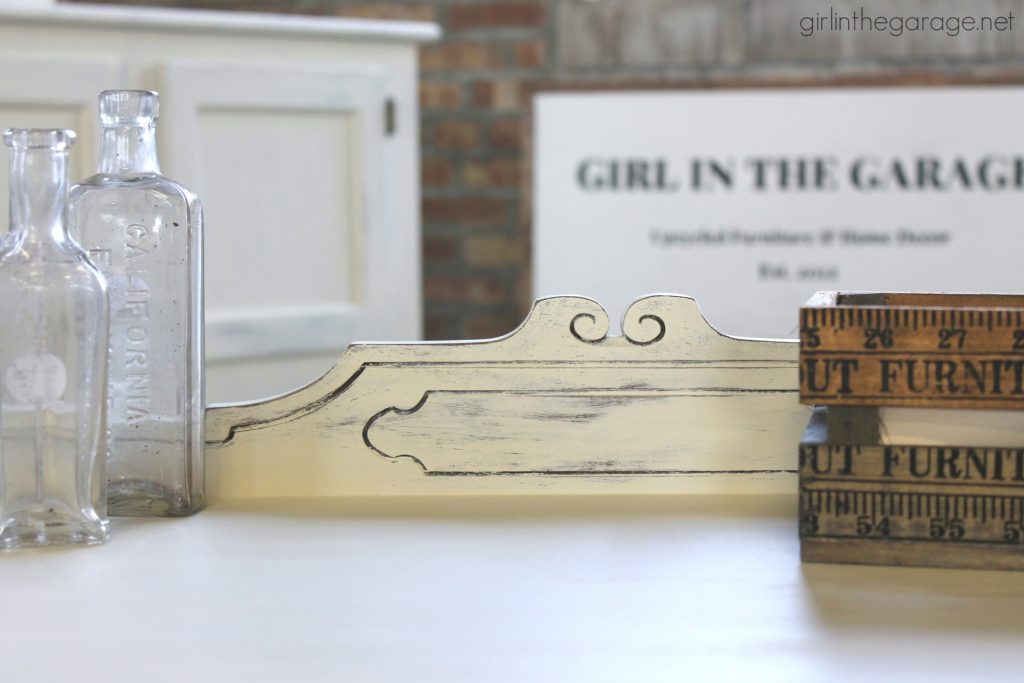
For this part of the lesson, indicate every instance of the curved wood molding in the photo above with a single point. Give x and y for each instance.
(556, 406)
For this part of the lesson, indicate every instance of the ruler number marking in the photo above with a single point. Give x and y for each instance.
(810, 337)
(867, 525)
(946, 527)
(952, 337)
(882, 515)
(872, 355)
(878, 337)
(809, 524)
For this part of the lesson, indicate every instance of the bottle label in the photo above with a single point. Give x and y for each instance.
(132, 318)
(37, 378)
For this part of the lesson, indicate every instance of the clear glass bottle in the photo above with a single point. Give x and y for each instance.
(53, 358)
(144, 231)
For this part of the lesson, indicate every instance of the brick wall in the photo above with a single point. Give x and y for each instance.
(476, 254)
(476, 246)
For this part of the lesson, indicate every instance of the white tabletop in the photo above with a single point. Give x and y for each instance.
(493, 589)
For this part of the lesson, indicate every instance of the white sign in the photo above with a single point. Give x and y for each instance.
(753, 200)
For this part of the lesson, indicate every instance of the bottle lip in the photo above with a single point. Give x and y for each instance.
(129, 107)
(55, 139)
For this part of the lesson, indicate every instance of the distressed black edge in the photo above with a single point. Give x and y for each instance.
(603, 473)
(304, 409)
(397, 411)
(580, 337)
(656, 339)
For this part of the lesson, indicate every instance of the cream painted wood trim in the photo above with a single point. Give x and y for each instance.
(35, 13)
(556, 406)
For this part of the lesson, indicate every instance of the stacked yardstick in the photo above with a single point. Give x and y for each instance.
(913, 454)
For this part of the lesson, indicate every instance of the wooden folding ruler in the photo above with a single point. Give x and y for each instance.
(941, 505)
(942, 350)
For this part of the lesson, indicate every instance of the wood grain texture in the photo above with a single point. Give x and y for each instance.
(556, 406)
(930, 506)
(925, 350)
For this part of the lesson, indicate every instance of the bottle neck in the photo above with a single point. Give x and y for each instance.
(39, 195)
(129, 150)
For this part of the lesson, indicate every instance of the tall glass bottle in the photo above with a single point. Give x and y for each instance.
(53, 358)
(144, 231)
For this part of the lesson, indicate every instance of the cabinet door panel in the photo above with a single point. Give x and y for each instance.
(287, 161)
(54, 93)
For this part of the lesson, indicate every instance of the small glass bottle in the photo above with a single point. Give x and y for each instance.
(144, 231)
(53, 358)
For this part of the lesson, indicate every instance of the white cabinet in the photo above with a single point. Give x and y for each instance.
(300, 135)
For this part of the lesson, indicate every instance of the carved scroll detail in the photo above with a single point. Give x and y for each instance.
(558, 402)
(589, 328)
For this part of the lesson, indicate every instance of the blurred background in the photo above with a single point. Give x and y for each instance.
(474, 85)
